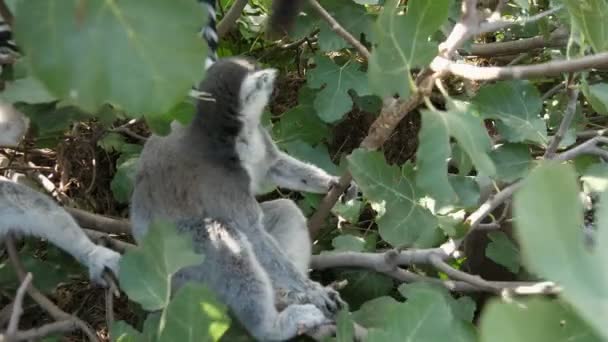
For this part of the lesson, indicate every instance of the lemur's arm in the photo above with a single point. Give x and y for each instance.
(24, 211)
(291, 173)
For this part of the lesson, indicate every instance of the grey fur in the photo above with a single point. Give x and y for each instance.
(205, 176)
(28, 212)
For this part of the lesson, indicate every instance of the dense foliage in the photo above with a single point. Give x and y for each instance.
(502, 137)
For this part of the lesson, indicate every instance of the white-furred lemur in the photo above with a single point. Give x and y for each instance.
(204, 177)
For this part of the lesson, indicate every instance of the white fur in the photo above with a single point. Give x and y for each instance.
(13, 125)
(251, 148)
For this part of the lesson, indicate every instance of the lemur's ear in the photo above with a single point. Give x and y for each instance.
(282, 18)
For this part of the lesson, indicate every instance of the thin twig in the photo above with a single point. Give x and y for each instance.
(566, 120)
(455, 274)
(338, 29)
(52, 309)
(13, 324)
(27, 168)
(492, 26)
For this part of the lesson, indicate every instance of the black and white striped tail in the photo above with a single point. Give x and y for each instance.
(209, 32)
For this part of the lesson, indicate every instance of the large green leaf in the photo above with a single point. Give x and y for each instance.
(28, 90)
(595, 178)
(194, 315)
(591, 18)
(333, 101)
(516, 104)
(146, 271)
(536, 319)
(403, 44)
(300, 123)
(425, 316)
(549, 221)
(434, 150)
(123, 183)
(121, 331)
(140, 55)
(402, 219)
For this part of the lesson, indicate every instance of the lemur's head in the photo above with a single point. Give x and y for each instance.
(238, 86)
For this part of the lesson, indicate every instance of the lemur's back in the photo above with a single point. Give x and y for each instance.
(193, 185)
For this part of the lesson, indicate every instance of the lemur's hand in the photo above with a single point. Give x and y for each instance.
(100, 259)
(326, 298)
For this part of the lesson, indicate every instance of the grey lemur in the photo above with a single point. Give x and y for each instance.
(25, 211)
(204, 177)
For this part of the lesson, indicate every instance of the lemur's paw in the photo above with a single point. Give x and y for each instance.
(326, 298)
(306, 317)
(100, 259)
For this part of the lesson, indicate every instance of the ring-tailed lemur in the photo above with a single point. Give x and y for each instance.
(204, 177)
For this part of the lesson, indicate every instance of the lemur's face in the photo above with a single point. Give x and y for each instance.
(256, 89)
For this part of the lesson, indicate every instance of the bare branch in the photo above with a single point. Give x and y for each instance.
(588, 147)
(338, 29)
(558, 38)
(36, 334)
(13, 324)
(98, 222)
(495, 25)
(455, 274)
(566, 121)
(104, 239)
(554, 68)
(233, 14)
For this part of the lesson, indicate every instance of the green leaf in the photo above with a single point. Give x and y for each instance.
(462, 308)
(591, 18)
(403, 220)
(503, 251)
(318, 155)
(28, 90)
(534, 319)
(121, 331)
(524, 4)
(333, 101)
(403, 44)
(348, 243)
(595, 178)
(423, 317)
(349, 211)
(96, 51)
(146, 271)
(123, 183)
(517, 105)
(373, 313)
(549, 221)
(597, 94)
(353, 18)
(345, 329)
(364, 286)
(300, 123)
(194, 315)
(434, 150)
(513, 161)
(467, 190)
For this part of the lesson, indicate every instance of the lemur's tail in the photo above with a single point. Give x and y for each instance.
(209, 32)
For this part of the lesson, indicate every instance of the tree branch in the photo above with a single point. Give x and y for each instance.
(13, 323)
(558, 38)
(553, 68)
(233, 14)
(98, 222)
(36, 334)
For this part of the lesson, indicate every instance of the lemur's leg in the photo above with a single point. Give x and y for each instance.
(286, 223)
(24, 211)
(232, 271)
